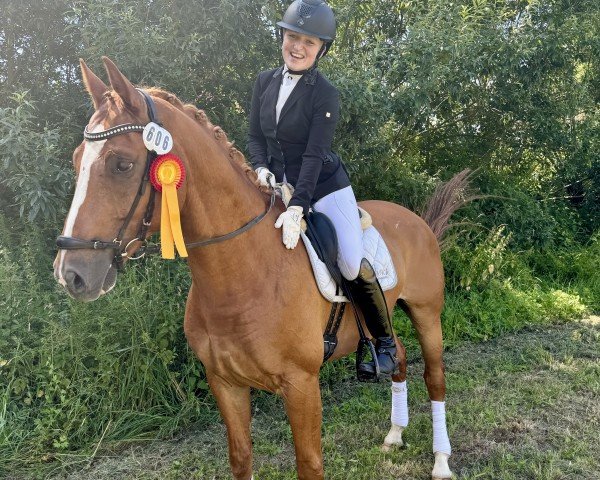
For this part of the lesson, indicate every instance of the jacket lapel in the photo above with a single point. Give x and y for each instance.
(301, 89)
(270, 95)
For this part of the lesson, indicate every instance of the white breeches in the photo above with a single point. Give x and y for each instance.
(340, 206)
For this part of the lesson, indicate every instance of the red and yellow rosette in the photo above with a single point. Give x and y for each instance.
(167, 174)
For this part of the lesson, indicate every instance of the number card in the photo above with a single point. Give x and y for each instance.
(157, 138)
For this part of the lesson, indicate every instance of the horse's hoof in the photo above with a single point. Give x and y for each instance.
(441, 470)
(446, 476)
(394, 437)
(385, 448)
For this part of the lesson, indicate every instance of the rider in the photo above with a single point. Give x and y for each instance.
(292, 121)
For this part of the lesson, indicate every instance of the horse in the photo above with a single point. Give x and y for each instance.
(254, 317)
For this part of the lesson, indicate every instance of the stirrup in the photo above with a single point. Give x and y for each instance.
(368, 366)
(360, 355)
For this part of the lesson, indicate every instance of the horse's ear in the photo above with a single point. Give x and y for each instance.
(95, 87)
(123, 86)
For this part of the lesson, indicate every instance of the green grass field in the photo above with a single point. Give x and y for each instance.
(521, 406)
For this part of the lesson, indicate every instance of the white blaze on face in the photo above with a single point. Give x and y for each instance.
(90, 155)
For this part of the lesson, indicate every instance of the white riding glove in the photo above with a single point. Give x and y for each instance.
(290, 220)
(265, 177)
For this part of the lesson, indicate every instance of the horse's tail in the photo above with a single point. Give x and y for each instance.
(447, 199)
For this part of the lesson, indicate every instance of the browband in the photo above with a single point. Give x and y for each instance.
(125, 127)
(112, 131)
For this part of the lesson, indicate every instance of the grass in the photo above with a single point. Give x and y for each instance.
(520, 406)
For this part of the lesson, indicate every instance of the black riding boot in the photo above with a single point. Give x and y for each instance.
(367, 293)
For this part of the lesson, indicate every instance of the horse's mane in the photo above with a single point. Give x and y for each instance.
(214, 131)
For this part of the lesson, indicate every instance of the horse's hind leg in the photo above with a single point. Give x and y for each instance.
(234, 405)
(426, 320)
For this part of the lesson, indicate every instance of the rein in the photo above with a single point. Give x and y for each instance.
(235, 233)
(72, 243)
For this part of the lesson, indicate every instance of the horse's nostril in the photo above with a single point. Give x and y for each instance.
(78, 283)
(74, 282)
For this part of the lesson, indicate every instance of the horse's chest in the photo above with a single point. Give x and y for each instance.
(243, 367)
(238, 357)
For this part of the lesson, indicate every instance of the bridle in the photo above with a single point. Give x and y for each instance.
(72, 243)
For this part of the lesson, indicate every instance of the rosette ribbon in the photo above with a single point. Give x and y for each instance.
(167, 174)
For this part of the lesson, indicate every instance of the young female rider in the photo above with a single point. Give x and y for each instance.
(292, 121)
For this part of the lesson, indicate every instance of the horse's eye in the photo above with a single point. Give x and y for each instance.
(124, 166)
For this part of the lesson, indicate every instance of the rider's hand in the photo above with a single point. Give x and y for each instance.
(265, 177)
(290, 220)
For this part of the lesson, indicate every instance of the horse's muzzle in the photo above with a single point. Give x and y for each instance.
(85, 278)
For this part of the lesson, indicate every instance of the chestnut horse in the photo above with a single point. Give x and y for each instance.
(254, 315)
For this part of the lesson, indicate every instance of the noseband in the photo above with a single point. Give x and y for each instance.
(72, 243)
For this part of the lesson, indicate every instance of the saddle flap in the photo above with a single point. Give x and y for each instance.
(375, 250)
(321, 233)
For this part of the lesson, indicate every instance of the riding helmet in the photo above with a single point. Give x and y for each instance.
(310, 17)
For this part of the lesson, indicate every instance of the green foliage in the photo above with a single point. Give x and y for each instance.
(492, 290)
(208, 53)
(503, 86)
(38, 53)
(35, 177)
(476, 267)
(72, 372)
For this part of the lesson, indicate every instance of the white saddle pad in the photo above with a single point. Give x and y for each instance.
(375, 251)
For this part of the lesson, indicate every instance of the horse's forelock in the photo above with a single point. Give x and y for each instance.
(110, 107)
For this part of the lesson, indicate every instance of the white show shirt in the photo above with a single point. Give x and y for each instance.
(288, 83)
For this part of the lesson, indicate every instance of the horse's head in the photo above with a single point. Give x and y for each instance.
(113, 207)
(112, 200)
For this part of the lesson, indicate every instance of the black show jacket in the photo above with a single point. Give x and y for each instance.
(299, 146)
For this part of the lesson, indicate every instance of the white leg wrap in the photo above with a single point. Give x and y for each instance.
(399, 404)
(441, 442)
(399, 416)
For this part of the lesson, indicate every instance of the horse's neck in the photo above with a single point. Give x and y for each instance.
(220, 199)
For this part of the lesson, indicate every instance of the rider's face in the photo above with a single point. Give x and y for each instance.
(299, 51)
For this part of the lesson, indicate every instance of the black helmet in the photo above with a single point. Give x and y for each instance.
(310, 17)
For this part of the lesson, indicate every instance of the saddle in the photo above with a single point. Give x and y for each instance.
(327, 274)
(321, 243)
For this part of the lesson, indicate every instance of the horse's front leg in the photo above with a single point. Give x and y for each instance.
(234, 405)
(302, 397)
